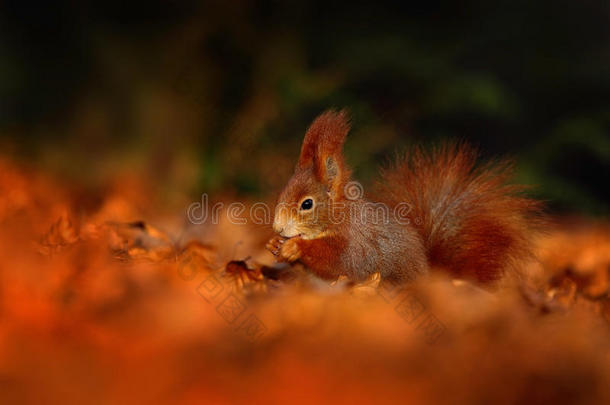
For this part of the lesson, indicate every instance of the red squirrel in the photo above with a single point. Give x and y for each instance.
(432, 209)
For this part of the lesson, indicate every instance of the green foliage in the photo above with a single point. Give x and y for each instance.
(228, 89)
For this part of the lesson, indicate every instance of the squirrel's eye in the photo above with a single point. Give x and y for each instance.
(307, 204)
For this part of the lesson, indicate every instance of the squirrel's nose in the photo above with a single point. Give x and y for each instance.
(277, 227)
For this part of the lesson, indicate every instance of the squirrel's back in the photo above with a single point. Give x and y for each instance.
(473, 223)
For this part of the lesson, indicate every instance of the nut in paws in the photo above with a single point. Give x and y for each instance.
(290, 250)
(275, 244)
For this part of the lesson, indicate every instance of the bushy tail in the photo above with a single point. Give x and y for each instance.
(473, 222)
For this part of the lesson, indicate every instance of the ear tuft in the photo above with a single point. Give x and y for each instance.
(322, 150)
(325, 137)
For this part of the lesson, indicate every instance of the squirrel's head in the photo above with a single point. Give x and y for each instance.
(318, 181)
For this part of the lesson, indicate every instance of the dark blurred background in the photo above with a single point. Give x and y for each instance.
(215, 96)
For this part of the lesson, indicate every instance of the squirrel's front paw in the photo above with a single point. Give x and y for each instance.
(290, 250)
(275, 244)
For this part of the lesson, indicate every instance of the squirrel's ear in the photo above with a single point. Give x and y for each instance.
(322, 149)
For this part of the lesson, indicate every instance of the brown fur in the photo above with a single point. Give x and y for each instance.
(465, 219)
(472, 221)
(324, 140)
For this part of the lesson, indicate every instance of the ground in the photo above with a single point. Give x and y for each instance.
(110, 296)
